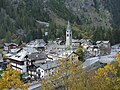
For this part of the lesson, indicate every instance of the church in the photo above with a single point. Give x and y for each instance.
(71, 43)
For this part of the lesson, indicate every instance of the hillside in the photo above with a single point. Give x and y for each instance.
(96, 19)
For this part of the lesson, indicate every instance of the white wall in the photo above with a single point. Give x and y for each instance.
(41, 71)
(45, 73)
(23, 67)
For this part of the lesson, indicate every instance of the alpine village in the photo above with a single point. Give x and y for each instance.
(59, 44)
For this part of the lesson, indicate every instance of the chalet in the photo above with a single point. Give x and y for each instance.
(19, 61)
(45, 69)
(85, 43)
(92, 51)
(59, 41)
(35, 58)
(104, 46)
(74, 57)
(41, 70)
(39, 44)
(76, 43)
(9, 46)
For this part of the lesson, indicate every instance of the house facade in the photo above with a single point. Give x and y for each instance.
(32, 60)
(19, 61)
(42, 70)
(75, 43)
(85, 43)
(39, 44)
(9, 46)
(38, 57)
(104, 46)
(92, 51)
(73, 57)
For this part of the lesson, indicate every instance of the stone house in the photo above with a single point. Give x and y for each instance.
(104, 46)
(9, 46)
(19, 61)
(85, 43)
(41, 70)
(39, 44)
(92, 51)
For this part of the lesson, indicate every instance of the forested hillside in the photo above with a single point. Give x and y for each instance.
(95, 19)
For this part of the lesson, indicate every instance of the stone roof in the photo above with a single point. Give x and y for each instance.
(98, 42)
(86, 41)
(37, 56)
(19, 56)
(30, 49)
(48, 65)
(7, 44)
(37, 43)
(76, 41)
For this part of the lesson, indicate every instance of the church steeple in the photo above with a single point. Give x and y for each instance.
(68, 35)
(68, 26)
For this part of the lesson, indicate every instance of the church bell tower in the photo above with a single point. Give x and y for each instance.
(68, 35)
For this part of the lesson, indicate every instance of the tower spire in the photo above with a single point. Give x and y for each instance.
(68, 26)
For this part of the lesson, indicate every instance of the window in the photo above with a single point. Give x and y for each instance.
(67, 34)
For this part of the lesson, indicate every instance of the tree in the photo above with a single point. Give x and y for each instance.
(65, 76)
(118, 58)
(10, 80)
(106, 77)
(8, 37)
(80, 52)
(70, 76)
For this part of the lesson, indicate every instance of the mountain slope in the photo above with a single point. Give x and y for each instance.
(96, 19)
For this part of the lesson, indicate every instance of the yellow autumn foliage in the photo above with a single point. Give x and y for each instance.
(10, 80)
(105, 78)
(118, 58)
